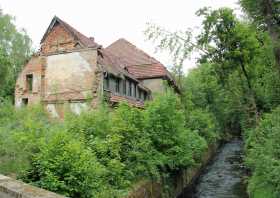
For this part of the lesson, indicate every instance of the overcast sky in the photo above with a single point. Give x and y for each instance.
(108, 20)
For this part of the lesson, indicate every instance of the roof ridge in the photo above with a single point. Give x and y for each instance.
(138, 49)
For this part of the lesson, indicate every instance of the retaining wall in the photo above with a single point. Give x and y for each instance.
(148, 189)
(11, 188)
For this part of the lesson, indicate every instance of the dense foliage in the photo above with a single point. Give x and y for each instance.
(15, 48)
(262, 145)
(102, 152)
(236, 83)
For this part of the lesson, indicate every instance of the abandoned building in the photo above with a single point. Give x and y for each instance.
(73, 72)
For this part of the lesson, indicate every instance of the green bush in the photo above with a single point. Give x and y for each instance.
(170, 138)
(66, 166)
(136, 150)
(20, 134)
(263, 155)
(102, 152)
(204, 123)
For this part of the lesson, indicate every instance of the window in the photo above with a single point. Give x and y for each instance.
(130, 89)
(117, 85)
(29, 82)
(145, 95)
(139, 93)
(25, 101)
(124, 87)
(135, 90)
(106, 82)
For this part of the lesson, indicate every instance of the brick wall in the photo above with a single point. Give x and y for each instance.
(34, 67)
(58, 40)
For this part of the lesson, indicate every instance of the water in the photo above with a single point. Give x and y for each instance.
(223, 177)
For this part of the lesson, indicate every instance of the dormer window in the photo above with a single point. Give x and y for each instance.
(29, 82)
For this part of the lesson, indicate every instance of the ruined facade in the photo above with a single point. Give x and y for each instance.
(73, 72)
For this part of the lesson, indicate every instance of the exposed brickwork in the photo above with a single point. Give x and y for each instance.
(69, 71)
(58, 40)
(34, 67)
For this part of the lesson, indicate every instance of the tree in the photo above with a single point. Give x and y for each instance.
(179, 44)
(232, 46)
(225, 42)
(15, 50)
(266, 14)
(4, 72)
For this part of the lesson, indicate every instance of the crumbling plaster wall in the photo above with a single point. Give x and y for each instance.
(65, 75)
(70, 78)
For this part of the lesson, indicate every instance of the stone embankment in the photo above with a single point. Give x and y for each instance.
(11, 188)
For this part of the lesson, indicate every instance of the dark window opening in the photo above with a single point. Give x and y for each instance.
(130, 89)
(124, 87)
(145, 96)
(117, 85)
(29, 82)
(135, 90)
(138, 93)
(142, 95)
(25, 101)
(106, 83)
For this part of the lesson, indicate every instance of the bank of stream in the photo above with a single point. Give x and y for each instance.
(222, 177)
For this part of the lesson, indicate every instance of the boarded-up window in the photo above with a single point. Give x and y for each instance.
(29, 82)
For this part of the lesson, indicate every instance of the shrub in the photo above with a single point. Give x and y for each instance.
(20, 132)
(166, 126)
(66, 166)
(204, 123)
(136, 149)
(102, 152)
(263, 155)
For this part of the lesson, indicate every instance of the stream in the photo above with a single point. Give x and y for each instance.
(222, 177)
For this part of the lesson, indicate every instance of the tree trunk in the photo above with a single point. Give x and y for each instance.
(254, 109)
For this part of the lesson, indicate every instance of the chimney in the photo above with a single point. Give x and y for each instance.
(91, 38)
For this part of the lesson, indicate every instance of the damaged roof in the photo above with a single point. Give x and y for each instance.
(121, 58)
(81, 38)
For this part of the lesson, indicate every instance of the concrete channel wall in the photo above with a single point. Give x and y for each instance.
(148, 189)
(11, 188)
